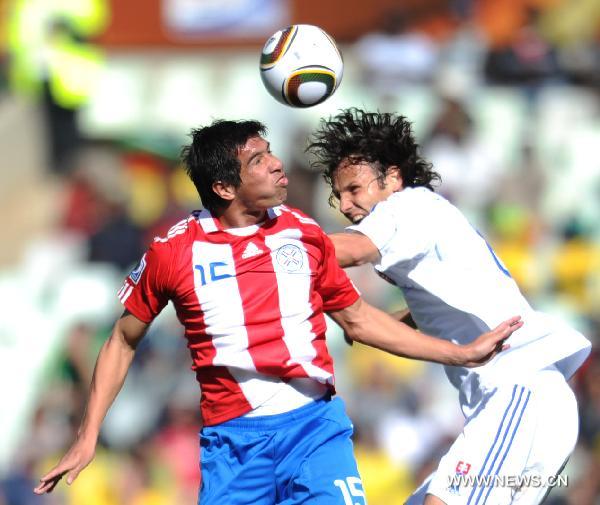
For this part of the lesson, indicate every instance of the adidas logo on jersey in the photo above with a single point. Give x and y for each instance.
(250, 251)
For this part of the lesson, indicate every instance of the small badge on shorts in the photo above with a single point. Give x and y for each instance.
(136, 273)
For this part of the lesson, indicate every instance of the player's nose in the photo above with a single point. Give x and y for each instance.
(345, 204)
(276, 164)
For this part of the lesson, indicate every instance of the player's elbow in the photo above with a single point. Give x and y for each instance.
(352, 333)
(355, 258)
(355, 321)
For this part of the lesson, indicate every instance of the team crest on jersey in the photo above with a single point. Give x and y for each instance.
(290, 258)
(136, 273)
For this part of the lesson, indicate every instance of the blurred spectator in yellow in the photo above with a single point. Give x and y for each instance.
(514, 235)
(384, 481)
(575, 266)
(51, 57)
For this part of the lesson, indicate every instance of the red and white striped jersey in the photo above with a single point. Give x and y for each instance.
(252, 301)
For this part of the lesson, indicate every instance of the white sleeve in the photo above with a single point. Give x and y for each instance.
(397, 228)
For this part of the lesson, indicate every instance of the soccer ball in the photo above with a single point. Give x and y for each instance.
(301, 66)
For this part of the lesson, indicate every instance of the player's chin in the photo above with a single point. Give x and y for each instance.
(280, 196)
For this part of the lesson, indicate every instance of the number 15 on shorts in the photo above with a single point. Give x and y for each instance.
(351, 488)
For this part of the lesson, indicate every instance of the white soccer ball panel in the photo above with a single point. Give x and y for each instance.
(301, 65)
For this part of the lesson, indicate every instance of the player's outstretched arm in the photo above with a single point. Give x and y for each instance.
(353, 249)
(371, 326)
(112, 365)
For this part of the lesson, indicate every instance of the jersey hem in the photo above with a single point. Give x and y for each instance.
(227, 416)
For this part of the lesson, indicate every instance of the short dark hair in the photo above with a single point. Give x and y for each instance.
(381, 139)
(213, 156)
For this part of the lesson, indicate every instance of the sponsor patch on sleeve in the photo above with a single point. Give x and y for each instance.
(136, 273)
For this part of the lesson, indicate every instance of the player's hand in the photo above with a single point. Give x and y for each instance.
(486, 346)
(76, 459)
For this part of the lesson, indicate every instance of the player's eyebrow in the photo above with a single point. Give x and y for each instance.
(261, 151)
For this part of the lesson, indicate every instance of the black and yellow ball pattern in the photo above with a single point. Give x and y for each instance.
(268, 60)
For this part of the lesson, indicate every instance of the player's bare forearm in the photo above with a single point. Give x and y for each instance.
(353, 249)
(370, 326)
(112, 365)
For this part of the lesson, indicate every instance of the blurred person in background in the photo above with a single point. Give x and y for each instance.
(52, 58)
(455, 287)
(468, 169)
(250, 280)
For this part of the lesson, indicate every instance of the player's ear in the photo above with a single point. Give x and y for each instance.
(225, 191)
(393, 178)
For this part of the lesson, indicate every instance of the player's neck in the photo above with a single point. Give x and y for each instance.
(234, 217)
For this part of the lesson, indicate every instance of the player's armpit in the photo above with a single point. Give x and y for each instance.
(353, 249)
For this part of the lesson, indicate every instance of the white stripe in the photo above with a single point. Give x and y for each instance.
(300, 217)
(274, 212)
(206, 221)
(221, 304)
(246, 231)
(294, 302)
(126, 294)
(170, 235)
(120, 292)
(177, 229)
(220, 301)
(257, 387)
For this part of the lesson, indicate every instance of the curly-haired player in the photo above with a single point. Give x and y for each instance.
(455, 287)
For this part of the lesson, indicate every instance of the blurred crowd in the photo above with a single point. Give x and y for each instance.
(512, 125)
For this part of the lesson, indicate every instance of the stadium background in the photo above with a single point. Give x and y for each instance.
(96, 98)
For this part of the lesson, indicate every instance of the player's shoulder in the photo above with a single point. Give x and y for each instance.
(415, 194)
(295, 215)
(178, 234)
(411, 199)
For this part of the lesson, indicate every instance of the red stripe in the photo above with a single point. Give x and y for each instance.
(222, 397)
(260, 301)
(318, 324)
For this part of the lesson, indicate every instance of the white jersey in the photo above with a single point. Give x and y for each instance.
(456, 288)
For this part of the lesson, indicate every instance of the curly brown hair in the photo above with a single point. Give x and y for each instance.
(381, 139)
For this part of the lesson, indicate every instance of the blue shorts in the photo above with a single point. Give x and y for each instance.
(302, 456)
